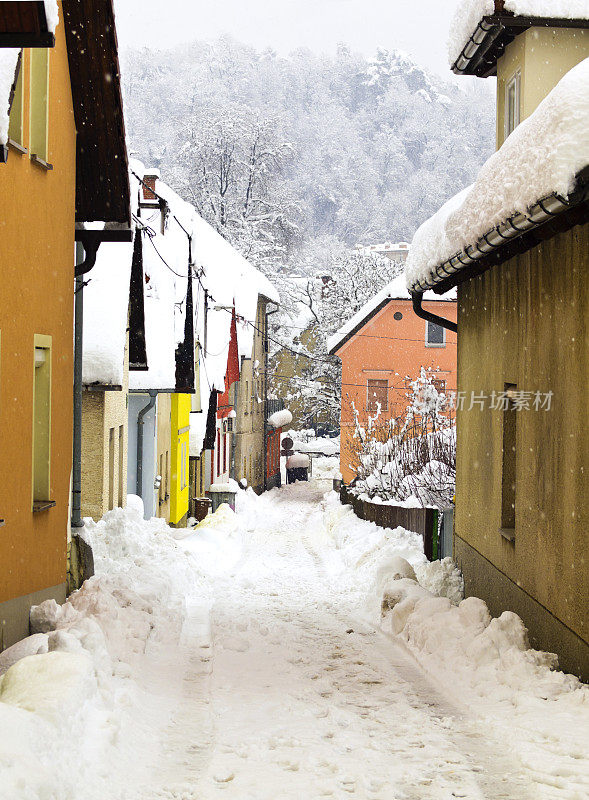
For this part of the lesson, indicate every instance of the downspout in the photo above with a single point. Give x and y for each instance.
(76, 518)
(90, 248)
(140, 416)
(417, 298)
(232, 470)
(85, 259)
(268, 313)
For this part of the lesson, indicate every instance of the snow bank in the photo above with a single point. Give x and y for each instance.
(31, 646)
(279, 419)
(491, 657)
(541, 157)
(88, 677)
(470, 13)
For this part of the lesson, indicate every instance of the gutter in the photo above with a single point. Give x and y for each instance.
(140, 416)
(492, 35)
(490, 245)
(427, 315)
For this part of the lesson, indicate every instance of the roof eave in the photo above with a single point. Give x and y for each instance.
(23, 23)
(102, 176)
(346, 338)
(487, 44)
(548, 217)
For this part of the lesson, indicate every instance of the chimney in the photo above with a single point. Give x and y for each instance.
(149, 179)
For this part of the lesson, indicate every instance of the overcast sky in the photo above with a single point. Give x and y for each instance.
(417, 26)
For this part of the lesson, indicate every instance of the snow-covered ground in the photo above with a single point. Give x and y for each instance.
(284, 651)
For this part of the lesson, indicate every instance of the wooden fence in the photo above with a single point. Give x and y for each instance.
(420, 520)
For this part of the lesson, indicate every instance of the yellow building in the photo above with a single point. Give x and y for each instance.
(180, 433)
(51, 180)
(522, 492)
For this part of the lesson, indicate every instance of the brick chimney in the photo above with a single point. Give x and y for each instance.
(149, 179)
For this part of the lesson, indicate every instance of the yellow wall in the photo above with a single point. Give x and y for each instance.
(525, 322)
(249, 422)
(543, 56)
(179, 492)
(36, 280)
(164, 453)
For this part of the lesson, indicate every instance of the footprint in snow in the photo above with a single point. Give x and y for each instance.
(223, 777)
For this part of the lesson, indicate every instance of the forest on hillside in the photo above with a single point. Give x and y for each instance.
(295, 160)
(279, 152)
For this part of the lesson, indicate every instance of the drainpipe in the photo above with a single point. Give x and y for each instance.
(421, 312)
(85, 260)
(268, 313)
(140, 417)
(232, 469)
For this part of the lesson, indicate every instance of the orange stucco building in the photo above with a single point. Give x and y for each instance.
(382, 348)
(41, 187)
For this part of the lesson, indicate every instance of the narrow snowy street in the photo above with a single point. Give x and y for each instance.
(293, 693)
(250, 658)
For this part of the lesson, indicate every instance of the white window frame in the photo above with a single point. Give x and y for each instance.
(514, 81)
(434, 344)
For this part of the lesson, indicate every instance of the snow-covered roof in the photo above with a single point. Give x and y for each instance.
(8, 62)
(165, 287)
(395, 290)
(106, 303)
(52, 14)
(467, 22)
(540, 159)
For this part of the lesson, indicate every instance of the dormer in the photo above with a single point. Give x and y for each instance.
(524, 45)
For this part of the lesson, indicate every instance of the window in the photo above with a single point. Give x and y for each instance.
(397, 315)
(512, 104)
(184, 458)
(435, 335)
(378, 394)
(42, 423)
(15, 125)
(161, 488)
(121, 463)
(39, 104)
(111, 469)
(440, 385)
(509, 465)
(166, 477)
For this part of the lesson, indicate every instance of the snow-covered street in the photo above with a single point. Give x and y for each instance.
(305, 699)
(249, 660)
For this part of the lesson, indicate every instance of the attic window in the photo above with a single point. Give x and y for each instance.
(435, 335)
(512, 104)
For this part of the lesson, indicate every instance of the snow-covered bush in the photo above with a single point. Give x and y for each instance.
(409, 457)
